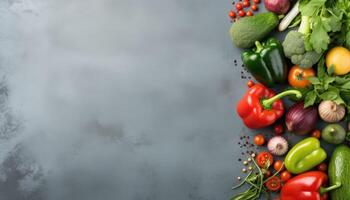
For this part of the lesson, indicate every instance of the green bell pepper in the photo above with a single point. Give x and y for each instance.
(266, 62)
(305, 155)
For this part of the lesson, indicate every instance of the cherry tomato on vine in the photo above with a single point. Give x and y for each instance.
(273, 184)
(278, 165)
(239, 6)
(263, 159)
(232, 14)
(285, 176)
(241, 13)
(278, 129)
(250, 13)
(322, 167)
(316, 133)
(254, 7)
(259, 140)
(246, 4)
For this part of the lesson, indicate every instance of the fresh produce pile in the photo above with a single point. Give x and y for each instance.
(312, 64)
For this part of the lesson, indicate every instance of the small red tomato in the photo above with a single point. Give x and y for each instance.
(278, 165)
(285, 176)
(264, 159)
(278, 129)
(316, 133)
(322, 167)
(257, 1)
(250, 83)
(273, 184)
(246, 4)
(239, 6)
(232, 14)
(254, 7)
(259, 140)
(250, 13)
(241, 13)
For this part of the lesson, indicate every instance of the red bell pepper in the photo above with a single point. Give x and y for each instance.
(307, 186)
(260, 107)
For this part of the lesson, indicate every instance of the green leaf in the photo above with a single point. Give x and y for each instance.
(330, 70)
(314, 80)
(320, 68)
(309, 8)
(327, 81)
(346, 85)
(329, 95)
(339, 80)
(310, 99)
(338, 100)
(319, 36)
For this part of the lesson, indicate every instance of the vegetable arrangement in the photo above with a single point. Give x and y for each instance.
(314, 60)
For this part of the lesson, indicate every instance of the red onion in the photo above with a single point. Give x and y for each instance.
(277, 6)
(300, 120)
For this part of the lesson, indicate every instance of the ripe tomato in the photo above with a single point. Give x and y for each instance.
(278, 165)
(246, 4)
(278, 129)
(285, 176)
(232, 14)
(322, 167)
(239, 6)
(241, 13)
(264, 158)
(273, 184)
(254, 7)
(316, 133)
(297, 76)
(256, 1)
(259, 140)
(250, 83)
(250, 13)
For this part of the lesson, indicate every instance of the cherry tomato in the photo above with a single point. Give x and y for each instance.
(250, 13)
(278, 129)
(254, 7)
(239, 6)
(285, 176)
(241, 13)
(259, 140)
(273, 184)
(322, 167)
(263, 159)
(232, 14)
(316, 133)
(297, 76)
(257, 1)
(250, 83)
(246, 4)
(278, 165)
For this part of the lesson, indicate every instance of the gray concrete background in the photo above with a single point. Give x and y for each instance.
(118, 99)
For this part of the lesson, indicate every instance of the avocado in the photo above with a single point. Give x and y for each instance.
(339, 171)
(334, 134)
(247, 30)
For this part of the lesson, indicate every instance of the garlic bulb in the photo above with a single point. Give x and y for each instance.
(330, 111)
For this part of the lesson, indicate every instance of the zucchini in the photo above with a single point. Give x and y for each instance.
(339, 171)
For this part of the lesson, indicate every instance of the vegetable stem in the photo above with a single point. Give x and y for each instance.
(259, 46)
(289, 17)
(267, 103)
(327, 189)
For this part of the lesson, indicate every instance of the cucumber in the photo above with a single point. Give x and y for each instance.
(339, 171)
(247, 30)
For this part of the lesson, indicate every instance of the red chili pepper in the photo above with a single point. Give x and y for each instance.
(260, 107)
(307, 186)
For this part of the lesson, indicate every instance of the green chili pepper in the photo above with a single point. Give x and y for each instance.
(266, 62)
(305, 155)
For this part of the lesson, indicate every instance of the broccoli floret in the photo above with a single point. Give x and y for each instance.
(294, 46)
